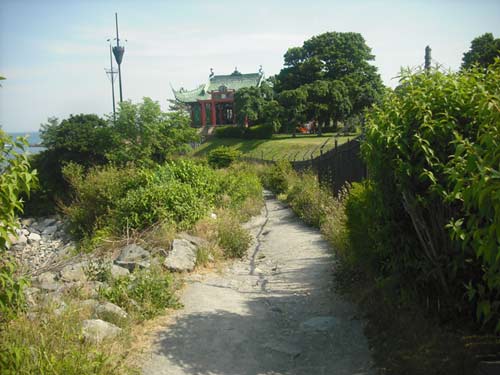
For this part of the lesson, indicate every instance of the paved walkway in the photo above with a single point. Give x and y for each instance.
(274, 313)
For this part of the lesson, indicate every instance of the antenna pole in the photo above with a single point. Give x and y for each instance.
(427, 63)
(119, 50)
(112, 82)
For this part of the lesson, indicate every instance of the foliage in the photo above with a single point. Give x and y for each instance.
(276, 178)
(145, 293)
(294, 104)
(230, 131)
(432, 151)
(333, 56)
(222, 157)
(16, 178)
(260, 131)
(232, 237)
(483, 51)
(12, 298)
(143, 133)
(53, 345)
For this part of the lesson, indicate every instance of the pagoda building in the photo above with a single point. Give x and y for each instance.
(213, 102)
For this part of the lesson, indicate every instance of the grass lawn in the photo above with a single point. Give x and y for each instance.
(281, 146)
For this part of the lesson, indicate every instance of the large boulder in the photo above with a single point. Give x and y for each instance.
(132, 257)
(96, 330)
(182, 257)
(47, 281)
(117, 271)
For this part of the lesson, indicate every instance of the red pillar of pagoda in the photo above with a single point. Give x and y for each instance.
(203, 114)
(212, 113)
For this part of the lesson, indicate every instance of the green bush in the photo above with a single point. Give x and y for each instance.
(223, 156)
(259, 132)
(232, 237)
(432, 152)
(12, 298)
(276, 177)
(145, 293)
(231, 131)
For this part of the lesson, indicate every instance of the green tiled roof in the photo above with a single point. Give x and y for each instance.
(234, 81)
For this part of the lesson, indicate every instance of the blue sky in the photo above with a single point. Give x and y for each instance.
(53, 53)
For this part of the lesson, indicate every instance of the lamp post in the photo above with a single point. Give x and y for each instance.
(111, 73)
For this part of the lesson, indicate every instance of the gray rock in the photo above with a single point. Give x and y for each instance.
(182, 257)
(117, 271)
(25, 232)
(50, 230)
(31, 295)
(131, 266)
(21, 239)
(197, 241)
(74, 272)
(284, 347)
(320, 323)
(132, 257)
(97, 330)
(47, 281)
(34, 237)
(133, 253)
(107, 310)
(27, 222)
(48, 222)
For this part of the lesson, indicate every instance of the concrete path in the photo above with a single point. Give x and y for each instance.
(274, 313)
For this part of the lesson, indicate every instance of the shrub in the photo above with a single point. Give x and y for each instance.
(223, 156)
(12, 298)
(232, 237)
(432, 152)
(276, 177)
(144, 293)
(259, 132)
(53, 345)
(229, 131)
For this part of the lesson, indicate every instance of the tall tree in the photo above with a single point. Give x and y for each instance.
(294, 103)
(333, 56)
(483, 51)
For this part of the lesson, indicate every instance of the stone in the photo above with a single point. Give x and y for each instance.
(25, 232)
(48, 222)
(74, 272)
(34, 237)
(284, 347)
(27, 222)
(182, 257)
(197, 241)
(117, 271)
(21, 239)
(132, 257)
(89, 304)
(31, 295)
(97, 330)
(50, 230)
(47, 281)
(107, 310)
(320, 323)
(132, 253)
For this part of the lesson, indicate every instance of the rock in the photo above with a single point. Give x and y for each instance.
(132, 257)
(47, 281)
(213, 216)
(50, 230)
(48, 222)
(320, 323)
(132, 253)
(197, 241)
(91, 288)
(284, 347)
(25, 232)
(20, 240)
(60, 308)
(74, 272)
(108, 310)
(96, 330)
(117, 271)
(34, 237)
(27, 222)
(31, 295)
(182, 257)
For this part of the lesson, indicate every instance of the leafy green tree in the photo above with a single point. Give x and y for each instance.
(248, 102)
(333, 56)
(294, 104)
(483, 51)
(16, 178)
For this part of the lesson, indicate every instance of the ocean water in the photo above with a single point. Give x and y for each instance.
(33, 139)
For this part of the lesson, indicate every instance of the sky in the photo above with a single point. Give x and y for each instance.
(54, 52)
